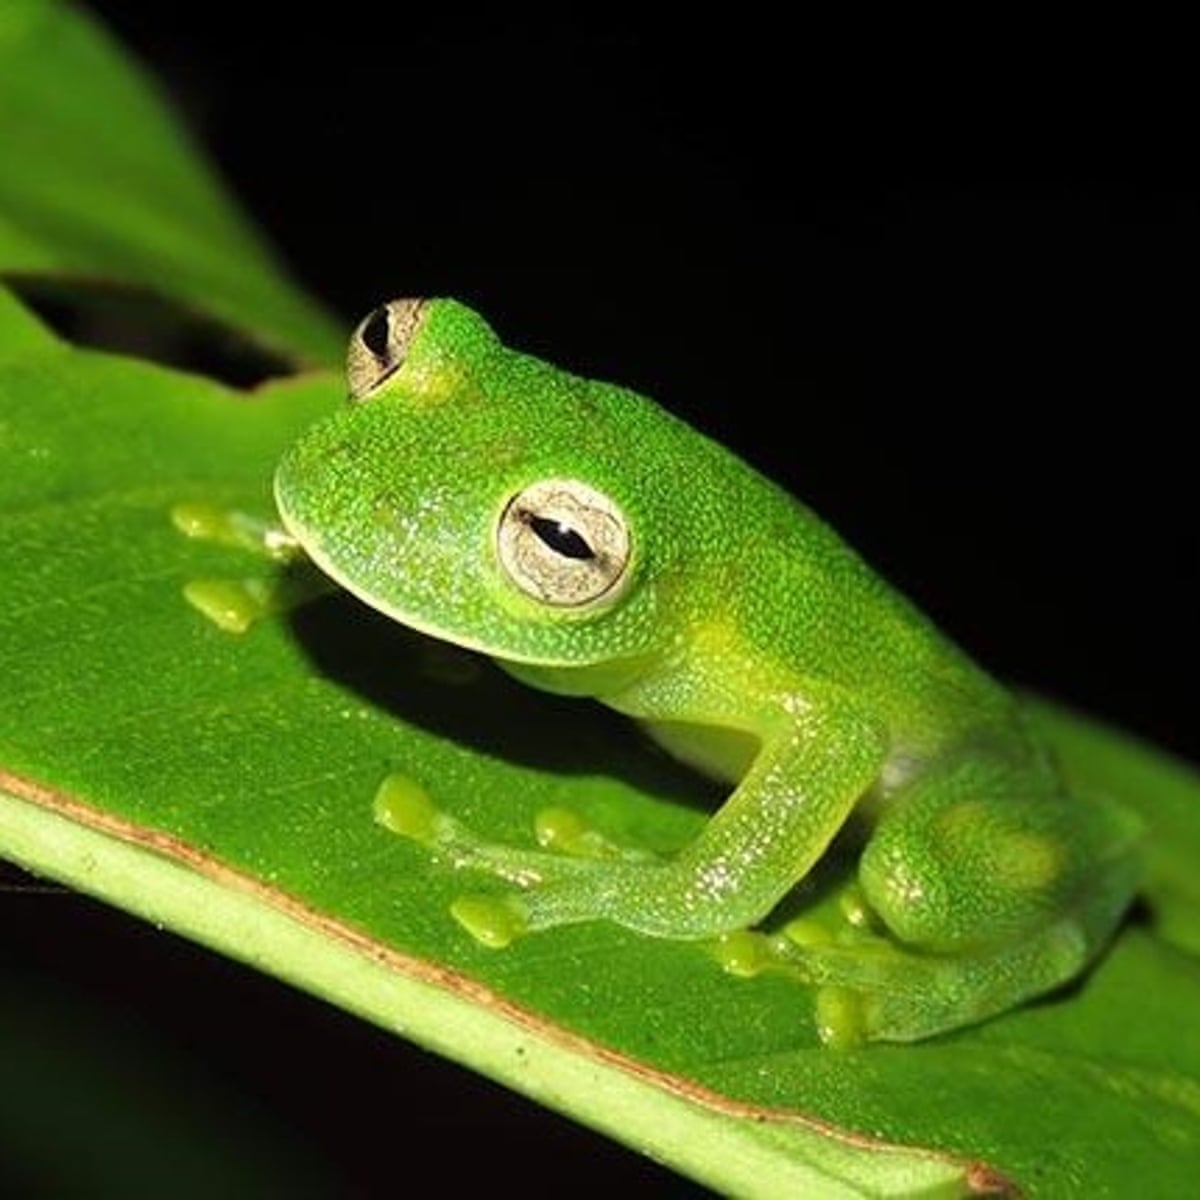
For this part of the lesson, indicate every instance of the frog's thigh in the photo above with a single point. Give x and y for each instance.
(969, 858)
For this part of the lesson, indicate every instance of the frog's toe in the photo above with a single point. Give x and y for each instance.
(404, 806)
(233, 605)
(493, 921)
(742, 952)
(842, 1017)
(564, 831)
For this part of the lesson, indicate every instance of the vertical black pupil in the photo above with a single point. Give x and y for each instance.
(375, 332)
(562, 539)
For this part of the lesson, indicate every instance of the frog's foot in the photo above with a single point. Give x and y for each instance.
(872, 988)
(810, 949)
(234, 605)
(565, 881)
(843, 918)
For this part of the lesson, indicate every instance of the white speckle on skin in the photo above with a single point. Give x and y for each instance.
(906, 888)
(898, 770)
(714, 880)
(794, 705)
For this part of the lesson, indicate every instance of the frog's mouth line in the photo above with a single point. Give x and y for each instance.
(311, 546)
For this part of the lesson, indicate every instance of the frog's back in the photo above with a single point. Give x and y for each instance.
(726, 550)
(753, 559)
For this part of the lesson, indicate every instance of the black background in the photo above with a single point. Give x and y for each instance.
(950, 303)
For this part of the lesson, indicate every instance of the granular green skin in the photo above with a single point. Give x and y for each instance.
(657, 573)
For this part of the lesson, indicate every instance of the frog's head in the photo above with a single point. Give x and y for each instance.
(488, 499)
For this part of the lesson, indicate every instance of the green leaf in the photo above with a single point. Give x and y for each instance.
(102, 185)
(222, 784)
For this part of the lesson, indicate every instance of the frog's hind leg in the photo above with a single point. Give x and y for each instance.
(883, 991)
(991, 897)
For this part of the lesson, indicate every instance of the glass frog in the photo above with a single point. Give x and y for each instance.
(596, 546)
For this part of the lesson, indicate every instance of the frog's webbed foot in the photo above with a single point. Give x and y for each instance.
(234, 605)
(872, 987)
(837, 946)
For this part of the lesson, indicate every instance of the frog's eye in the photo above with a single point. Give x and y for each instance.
(565, 543)
(380, 344)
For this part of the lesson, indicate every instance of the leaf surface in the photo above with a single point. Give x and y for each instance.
(222, 784)
(102, 185)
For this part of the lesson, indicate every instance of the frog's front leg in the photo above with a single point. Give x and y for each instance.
(234, 605)
(816, 761)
